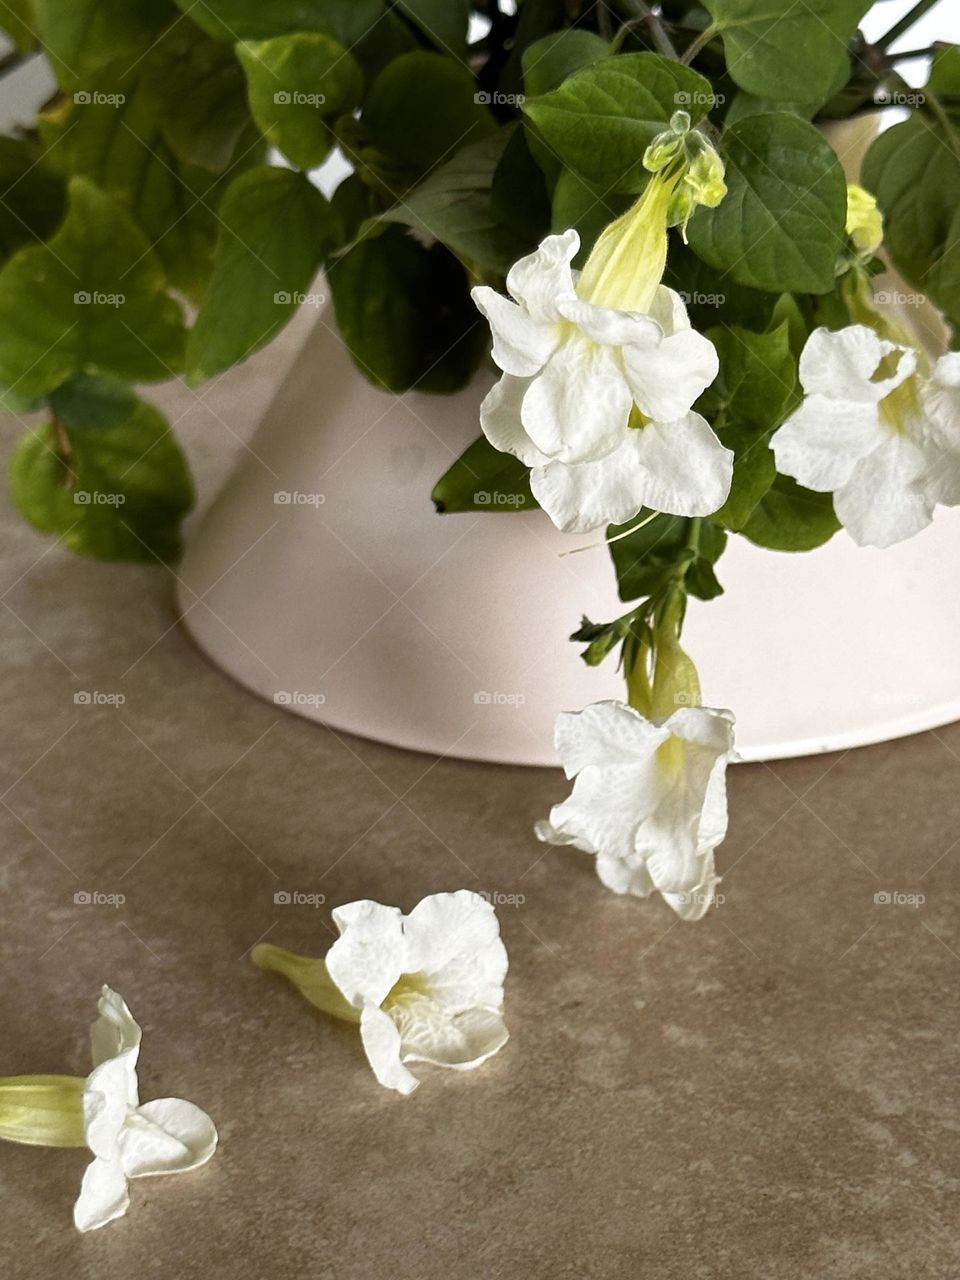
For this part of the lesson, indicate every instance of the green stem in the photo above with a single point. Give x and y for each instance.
(309, 975)
(906, 22)
(42, 1111)
(697, 45)
(641, 14)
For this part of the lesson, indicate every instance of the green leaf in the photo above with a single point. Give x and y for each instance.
(346, 20)
(405, 311)
(33, 200)
(547, 63)
(754, 390)
(275, 229)
(198, 93)
(88, 401)
(712, 297)
(649, 555)
(484, 479)
(117, 492)
(296, 83)
(914, 171)
(601, 119)
(81, 36)
(443, 22)
(786, 51)
(791, 518)
(92, 299)
(422, 108)
(453, 205)
(116, 139)
(783, 220)
(19, 21)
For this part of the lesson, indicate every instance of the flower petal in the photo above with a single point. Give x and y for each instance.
(688, 471)
(454, 939)
(607, 807)
(429, 1032)
(667, 379)
(605, 733)
(670, 311)
(168, 1135)
(842, 365)
(881, 504)
(103, 1195)
(693, 904)
(501, 424)
(367, 959)
(544, 276)
(106, 1103)
(381, 1043)
(116, 1032)
(579, 405)
(609, 327)
(822, 442)
(521, 344)
(625, 875)
(941, 438)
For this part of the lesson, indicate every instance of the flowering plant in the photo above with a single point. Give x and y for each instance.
(632, 208)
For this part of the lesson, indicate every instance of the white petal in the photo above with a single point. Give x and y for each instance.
(590, 494)
(609, 327)
(367, 959)
(688, 470)
(881, 504)
(168, 1135)
(822, 442)
(543, 277)
(103, 1195)
(521, 344)
(579, 405)
(667, 379)
(500, 421)
(607, 807)
(940, 438)
(381, 1043)
(670, 311)
(625, 875)
(453, 939)
(116, 1032)
(429, 1032)
(695, 903)
(106, 1103)
(605, 733)
(843, 365)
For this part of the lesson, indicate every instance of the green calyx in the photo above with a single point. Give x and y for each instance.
(626, 265)
(42, 1111)
(309, 975)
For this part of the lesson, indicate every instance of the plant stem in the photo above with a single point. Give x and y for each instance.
(906, 22)
(642, 15)
(699, 43)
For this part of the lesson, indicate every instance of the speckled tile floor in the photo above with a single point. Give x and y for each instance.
(769, 1095)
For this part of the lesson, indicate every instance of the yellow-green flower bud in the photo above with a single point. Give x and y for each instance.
(864, 221)
(42, 1111)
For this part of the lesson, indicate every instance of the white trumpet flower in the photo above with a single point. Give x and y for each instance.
(877, 431)
(649, 799)
(425, 987)
(595, 397)
(129, 1139)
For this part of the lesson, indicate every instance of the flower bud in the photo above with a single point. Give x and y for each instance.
(864, 221)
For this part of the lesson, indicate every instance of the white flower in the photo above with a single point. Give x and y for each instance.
(879, 434)
(129, 1140)
(596, 400)
(428, 986)
(649, 800)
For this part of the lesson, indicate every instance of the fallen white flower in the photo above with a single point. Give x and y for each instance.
(130, 1140)
(596, 399)
(649, 800)
(876, 431)
(426, 987)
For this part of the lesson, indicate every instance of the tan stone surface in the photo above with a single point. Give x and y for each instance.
(768, 1095)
